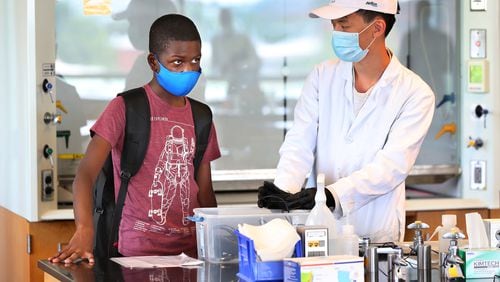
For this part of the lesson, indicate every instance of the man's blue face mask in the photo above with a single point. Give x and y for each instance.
(346, 45)
(176, 83)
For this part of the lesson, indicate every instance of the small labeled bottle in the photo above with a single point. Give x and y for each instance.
(448, 221)
(321, 214)
(348, 242)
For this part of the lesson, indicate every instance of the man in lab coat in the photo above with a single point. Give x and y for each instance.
(361, 121)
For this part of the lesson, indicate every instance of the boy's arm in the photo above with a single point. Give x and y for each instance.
(206, 195)
(81, 244)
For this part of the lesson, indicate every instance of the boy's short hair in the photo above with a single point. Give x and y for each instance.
(171, 27)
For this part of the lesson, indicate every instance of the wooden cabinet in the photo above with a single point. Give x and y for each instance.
(23, 243)
(433, 218)
(495, 213)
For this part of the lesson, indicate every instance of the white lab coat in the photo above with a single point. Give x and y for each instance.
(365, 158)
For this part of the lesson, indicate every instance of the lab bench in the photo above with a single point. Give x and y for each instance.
(58, 227)
(106, 270)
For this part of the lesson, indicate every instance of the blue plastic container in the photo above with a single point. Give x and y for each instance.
(252, 270)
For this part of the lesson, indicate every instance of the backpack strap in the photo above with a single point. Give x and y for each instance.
(135, 145)
(202, 118)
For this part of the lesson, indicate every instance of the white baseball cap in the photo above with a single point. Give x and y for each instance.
(340, 8)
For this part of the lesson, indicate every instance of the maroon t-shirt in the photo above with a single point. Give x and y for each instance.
(164, 191)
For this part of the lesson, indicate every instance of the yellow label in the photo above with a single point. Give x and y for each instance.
(96, 7)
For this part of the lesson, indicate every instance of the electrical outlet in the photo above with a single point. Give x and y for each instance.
(478, 175)
(478, 5)
(47, 185)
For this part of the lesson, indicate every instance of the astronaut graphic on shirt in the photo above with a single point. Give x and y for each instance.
(171, 175)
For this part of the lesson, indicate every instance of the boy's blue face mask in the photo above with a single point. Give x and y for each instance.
(177, 83)
(346, 45)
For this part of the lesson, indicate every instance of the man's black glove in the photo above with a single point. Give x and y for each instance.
(271, 197)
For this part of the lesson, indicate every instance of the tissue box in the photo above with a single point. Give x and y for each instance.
(481, 263)
(324, 269)
(215, 227)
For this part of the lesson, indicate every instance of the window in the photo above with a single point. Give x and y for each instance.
(255, 57)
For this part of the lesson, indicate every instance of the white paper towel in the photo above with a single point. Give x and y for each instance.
(476, 231)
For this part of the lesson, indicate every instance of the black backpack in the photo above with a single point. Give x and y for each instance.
(107, 213)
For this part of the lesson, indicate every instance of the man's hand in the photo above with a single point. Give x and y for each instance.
(79, 247)
(305, 198)
(271, 197)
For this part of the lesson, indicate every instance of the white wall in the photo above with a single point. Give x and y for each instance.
(20, 56)
(472, 126)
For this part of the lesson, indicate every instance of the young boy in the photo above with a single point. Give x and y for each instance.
(165, 190)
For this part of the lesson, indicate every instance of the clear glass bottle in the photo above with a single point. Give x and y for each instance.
(321, 214)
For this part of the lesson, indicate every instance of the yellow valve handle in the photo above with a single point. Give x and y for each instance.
(60, 106)
(70, 156)
(471, 143)
(447, 128)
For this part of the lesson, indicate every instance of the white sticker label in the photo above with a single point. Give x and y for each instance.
(48, 69)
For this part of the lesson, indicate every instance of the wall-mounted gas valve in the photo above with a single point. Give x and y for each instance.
(481, 112)
(47, 153)
(52, 118)
(476, 143)
(47, 87)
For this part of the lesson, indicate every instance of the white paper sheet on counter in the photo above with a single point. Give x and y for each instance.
(181, 260)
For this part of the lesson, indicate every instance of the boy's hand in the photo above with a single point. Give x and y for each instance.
(79, 247)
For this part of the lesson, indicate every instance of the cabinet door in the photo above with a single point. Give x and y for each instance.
(14, 260)
(45, 238)
(16, 264)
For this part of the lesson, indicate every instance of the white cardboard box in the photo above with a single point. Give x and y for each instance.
(493, 231)
(324, 269)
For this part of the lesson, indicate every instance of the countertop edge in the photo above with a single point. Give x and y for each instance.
(46, 267)
(444, 204)
(410, 205)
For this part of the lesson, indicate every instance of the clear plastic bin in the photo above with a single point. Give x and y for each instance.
(253, 270)
(215, 228)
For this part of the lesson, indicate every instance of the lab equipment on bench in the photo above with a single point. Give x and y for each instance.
(371, 263)
(215, 227)
(450, 262)
(418, 239)
(321, 214)
(423, 251)
(395, 265)
(314, 240)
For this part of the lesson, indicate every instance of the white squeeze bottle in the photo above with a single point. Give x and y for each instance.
(348, 243)
(321, 214)
(448, 221)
